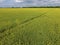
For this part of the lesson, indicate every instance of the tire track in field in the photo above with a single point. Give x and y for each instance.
(32, 18)
(14, 25)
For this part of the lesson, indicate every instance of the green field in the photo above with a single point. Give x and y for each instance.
(29, 26)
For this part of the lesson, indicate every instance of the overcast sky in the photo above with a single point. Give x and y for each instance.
(7, 3)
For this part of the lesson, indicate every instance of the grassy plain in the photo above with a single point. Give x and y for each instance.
(29, 26)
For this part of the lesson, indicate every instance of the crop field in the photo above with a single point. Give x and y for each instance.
(29, 26)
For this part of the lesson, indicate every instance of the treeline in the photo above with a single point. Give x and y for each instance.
(34, 7)
(44, 7)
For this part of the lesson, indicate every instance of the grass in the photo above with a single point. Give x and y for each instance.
(29, 26)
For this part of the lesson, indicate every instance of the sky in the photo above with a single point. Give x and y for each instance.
(20, 3)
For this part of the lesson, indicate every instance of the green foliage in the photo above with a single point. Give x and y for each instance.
(29, 26)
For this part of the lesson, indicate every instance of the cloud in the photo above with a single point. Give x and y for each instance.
(1, 1)
(19, 0)
(55, 1)
(29, 2)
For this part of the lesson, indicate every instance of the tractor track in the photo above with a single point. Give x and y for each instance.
(22, 25)
(14, 25)
(31, 19)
